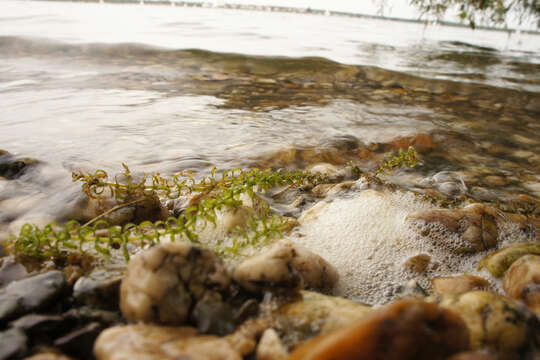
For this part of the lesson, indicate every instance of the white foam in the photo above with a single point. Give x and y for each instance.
(368, 239)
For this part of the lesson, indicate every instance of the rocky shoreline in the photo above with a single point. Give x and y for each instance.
(365, 271)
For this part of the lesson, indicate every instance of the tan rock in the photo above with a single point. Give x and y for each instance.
(311, 313)
(458, 284)
(271, 347)
(499, 261)
(406, 329)
(418, 263)
(163, 284)
(495, 322)
(285, 265)
(476, 224)
(522, 281)
(150, 342)
(141, 208)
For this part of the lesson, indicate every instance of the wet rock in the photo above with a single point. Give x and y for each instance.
(30, 294)
(142, 208)
(43, 326)
(472, 355)
(421, 142)
(495, 322)
(163, 284)
(12, 167)
(310, 313)
(11, 270)
(418, 263)
(48, 356)
(172, 343)
(271, 347)
(522, 281)
(327, 170)
(458, 284)
(86, 314)
(499, 261)
(406, 329)
(12, 344)
(476, 224)
(285, 265)
(79, 343)
(99, 288)
(212, 315)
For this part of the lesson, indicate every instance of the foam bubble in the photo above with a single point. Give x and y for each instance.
(368, 239)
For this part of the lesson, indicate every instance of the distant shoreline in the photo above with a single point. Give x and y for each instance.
(284, 9)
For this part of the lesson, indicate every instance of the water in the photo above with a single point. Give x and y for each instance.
(162, 88)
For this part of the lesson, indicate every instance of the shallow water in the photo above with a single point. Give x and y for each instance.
(88, 85)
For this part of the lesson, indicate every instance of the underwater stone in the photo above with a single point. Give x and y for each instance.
(522, 281)
(11, 167)
(405, 329)
(285, 265)
(30, 294)
(162, 284)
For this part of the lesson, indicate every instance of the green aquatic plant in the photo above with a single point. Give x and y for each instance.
(209, 195)
(402, 159)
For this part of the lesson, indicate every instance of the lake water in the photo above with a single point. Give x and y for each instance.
(163, 88)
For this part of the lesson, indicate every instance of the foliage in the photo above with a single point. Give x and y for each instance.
(208, 196)
(472, 11)
(400, 160)
(213, 193)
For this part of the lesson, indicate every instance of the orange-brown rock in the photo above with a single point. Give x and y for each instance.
(406, 329)
(522, 281)
(418, 263)
(458, 284)
(421, 142)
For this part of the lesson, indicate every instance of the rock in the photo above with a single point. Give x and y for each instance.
(418, 263)
(495, 322)
(12, 167)
(326, 170)
(271, 347)
(212, 315)
(99, 288)
(522, 281)
(11, 270)
(458, 284)
(285, 265)
(472, 355)
(30, 294)
(310, 313)
(406, 329)
(36, 325)
(79, 343)
(163, 284)
(48, 356)
(12, 344)
(144, 208)
(151, 342)
(476, 224)
(499, 261)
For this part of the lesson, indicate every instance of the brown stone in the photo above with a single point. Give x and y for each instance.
(476, 223)
(472, 355)
(495, 322)
(163, 284)
(458, 284)
(48, 356)
(406, 329)
(522, 281)
(418, 263)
